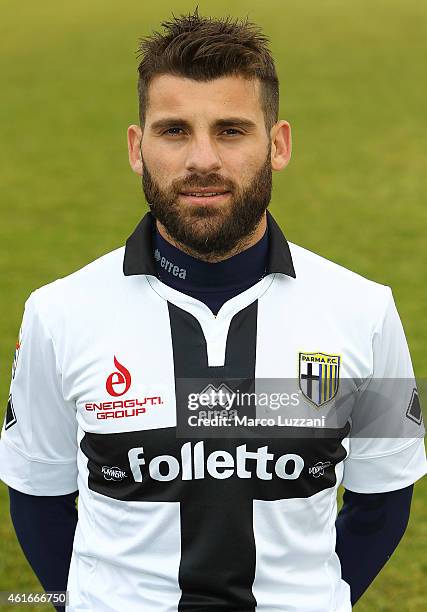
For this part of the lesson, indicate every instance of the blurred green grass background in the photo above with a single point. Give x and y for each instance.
(354, 90)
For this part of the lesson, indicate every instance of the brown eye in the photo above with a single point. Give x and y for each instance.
(237, 132)
(169, 131)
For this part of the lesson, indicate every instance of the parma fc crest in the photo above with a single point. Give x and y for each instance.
(319, 375)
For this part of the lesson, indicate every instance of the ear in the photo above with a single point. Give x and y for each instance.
(281, 145)
(134, 136)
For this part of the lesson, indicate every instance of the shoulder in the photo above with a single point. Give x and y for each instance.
(94, 282)
(331, 284)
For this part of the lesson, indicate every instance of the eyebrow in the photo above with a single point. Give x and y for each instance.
(227, 122)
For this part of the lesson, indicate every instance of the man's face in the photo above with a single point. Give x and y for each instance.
(211, 136)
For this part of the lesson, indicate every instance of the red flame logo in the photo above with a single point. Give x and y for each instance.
(121, 377)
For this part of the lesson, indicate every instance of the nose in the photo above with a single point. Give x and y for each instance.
(202, 155)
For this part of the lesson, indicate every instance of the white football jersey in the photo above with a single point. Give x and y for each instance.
(116, 386)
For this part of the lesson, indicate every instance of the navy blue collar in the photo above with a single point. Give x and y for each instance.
(139, 251)
(189, 274)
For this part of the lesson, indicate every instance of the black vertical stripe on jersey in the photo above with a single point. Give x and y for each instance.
(190, 350)
(217, 567)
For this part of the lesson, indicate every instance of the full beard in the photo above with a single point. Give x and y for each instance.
(210, 230)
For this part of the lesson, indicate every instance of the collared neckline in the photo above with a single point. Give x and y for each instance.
(138, 257)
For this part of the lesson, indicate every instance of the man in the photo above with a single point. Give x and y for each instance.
(208, 295)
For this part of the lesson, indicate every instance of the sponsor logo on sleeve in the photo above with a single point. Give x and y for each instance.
(10, 416)
(17, 349)
(414, 409)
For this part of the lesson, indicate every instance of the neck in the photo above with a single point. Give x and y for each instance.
(242, 245)
(210, 282)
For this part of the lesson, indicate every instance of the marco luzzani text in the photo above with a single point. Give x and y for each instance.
(218, 407)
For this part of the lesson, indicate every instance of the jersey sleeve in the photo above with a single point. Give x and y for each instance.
(38, 444)
(386, 446)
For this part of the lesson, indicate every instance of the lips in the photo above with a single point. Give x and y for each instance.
(204, 192)
(211, 195)
(205, 195)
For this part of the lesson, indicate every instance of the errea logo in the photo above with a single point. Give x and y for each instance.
(168, 266)
(220, 397)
